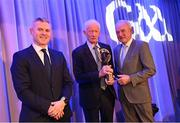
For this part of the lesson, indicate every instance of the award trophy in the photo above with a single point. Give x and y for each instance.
(105, 57)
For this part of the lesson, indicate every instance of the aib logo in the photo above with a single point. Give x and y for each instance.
(143, 16)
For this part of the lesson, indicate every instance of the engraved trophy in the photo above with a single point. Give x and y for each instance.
(105, 57)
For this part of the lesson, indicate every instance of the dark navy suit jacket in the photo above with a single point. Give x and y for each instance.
(87, 75)
(33, 87)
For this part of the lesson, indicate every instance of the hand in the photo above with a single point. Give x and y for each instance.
(123, 79)
(110, 80)
(56, 109)
(106, 69)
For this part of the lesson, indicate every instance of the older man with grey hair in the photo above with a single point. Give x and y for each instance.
(97, 95)
(133, 66)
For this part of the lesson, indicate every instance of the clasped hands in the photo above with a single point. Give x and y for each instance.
(56, 109)
(107, 71)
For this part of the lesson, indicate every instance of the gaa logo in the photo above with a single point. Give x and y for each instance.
(153, 33)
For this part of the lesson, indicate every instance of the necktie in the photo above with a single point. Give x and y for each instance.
(47, 64)
(123, 54)
(98, 61)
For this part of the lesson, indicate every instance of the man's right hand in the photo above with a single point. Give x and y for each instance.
(106, 69)
(56, 109)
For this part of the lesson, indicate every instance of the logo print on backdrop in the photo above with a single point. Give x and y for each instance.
(143, 16)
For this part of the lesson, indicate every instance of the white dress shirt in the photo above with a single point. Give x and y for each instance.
(40, 53)
(91, 46)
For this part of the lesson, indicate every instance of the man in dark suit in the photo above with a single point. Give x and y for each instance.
(133, 66)
(41, 78)
(94, 98)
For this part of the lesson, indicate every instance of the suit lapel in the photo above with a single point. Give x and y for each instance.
(38, 62)
(53, 65)
(119, 54)
(54, 61)
(36, 58)
(117, 57)
(89, 56)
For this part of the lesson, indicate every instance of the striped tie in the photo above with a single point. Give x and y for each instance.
(99, 64)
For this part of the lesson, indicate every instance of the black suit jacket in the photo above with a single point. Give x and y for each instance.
(86, 73)
(33, 87)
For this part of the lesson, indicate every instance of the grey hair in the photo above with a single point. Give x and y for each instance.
(39, 19)
(124, 22)
(91, 21)
(120, 22)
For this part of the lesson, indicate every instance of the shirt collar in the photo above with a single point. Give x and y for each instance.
(128, 43)
(38, 48)
(91, 46)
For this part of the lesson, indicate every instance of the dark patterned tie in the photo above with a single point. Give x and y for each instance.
(99, 64)
(47, 64)
(98, 60)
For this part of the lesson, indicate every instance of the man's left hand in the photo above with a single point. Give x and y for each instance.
(123, 79)
(57, 109)
(110, 80)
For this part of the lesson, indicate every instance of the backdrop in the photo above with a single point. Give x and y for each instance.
(154, 21)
